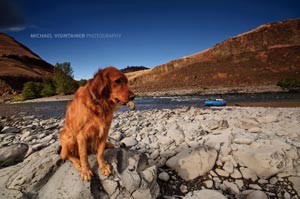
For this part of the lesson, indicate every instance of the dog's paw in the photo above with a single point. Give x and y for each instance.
(105, 169)
(109, 145)
(86, 174)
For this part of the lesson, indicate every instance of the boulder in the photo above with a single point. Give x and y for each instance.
(13, 154)
(132, 176)
(193, 162)
(265, 160)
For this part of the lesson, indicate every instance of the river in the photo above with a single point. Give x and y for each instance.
(58, 108)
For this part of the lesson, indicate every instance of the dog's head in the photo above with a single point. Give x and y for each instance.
(110, 83)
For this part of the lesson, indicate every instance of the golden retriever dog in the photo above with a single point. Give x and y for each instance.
(88, 119)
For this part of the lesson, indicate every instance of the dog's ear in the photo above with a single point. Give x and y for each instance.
(99, 87)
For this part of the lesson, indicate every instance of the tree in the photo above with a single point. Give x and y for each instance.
(63, 77)
(82, 82)
(31, 90)
(49, 88)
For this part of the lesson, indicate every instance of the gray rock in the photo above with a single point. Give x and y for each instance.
(66, 183)
(222, 172)
(35, 168)
(205, 194)
(192, 163)
(164, 176)
(13, 154)
(9, 129)
(135, 177)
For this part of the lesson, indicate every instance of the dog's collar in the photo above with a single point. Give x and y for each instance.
(94, 100)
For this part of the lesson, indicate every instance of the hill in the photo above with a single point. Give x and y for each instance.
(258, 58)
(18, 64)
(130, 69)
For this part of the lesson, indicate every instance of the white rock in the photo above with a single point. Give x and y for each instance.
(192, 163)
(257, 195)
(273, 180)
(242, 140)
(266, 160)
(183, 189)
(129, 141)
(208, 183)
(222, 172)
(255, 130)
(296, 183)
(239, 183)
(236, 174)
(205, 194)
(116, 136)
(246, 123)
(233, 187)
(255, 186)
(176, 135)
(164, 140)
(286, 195)
(228, 166)
(248, 174)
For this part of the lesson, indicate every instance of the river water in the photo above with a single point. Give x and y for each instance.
(58, 108)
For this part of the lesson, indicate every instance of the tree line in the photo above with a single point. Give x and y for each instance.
(61, 82)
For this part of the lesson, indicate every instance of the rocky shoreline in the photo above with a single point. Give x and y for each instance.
(189, 152)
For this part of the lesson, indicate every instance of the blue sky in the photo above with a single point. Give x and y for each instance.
(141, 32)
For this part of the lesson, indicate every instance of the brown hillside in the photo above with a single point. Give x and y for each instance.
(259, 57)
(19, 64)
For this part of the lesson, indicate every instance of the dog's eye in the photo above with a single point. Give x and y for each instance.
(119, 81)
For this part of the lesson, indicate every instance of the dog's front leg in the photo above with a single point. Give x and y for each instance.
(104, 168)
(86, 173)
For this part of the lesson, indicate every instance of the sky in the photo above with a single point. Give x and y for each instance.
(93, 34)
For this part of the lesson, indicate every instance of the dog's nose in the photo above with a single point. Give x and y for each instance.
(131, 97)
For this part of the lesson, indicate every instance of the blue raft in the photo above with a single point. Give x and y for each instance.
(216, 102)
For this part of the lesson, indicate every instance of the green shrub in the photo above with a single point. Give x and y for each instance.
(31, 90)
(289, 83)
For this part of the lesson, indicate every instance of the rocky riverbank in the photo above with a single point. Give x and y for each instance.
(230, 152)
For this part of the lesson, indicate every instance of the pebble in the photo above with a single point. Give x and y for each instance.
(208, 183)
(222, 172)
(273, 180)
(228, 166)
(248, 174)
(129, 141)
(233, 187)
(255, 186)
(242, 141)
(236, 174)
(164, 176)
(183, 189)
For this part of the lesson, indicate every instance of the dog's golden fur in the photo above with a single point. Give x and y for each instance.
(89, 117)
